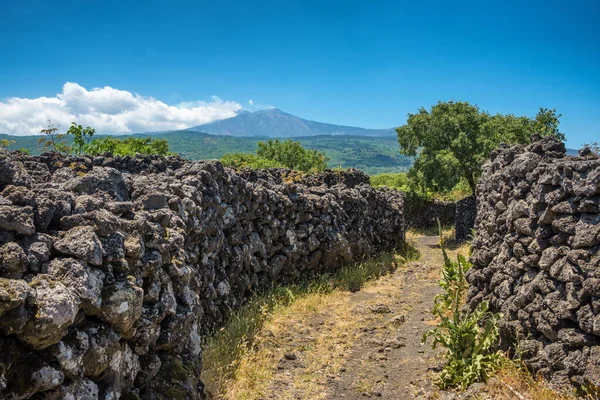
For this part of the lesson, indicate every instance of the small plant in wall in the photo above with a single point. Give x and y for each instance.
(468, 336)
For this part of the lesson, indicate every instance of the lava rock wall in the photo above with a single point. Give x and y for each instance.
(536, 257)
(466, 212)
(424, 214)
(112, 269)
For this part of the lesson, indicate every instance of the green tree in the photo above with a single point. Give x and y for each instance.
(453, 139)
(276, 153)
(81, 138)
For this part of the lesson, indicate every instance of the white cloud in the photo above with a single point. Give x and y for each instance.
(250, 102)
(108, 110)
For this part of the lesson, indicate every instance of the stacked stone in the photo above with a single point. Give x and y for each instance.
(466, 211)
(422, 214)
(112, 269)
(536, 259)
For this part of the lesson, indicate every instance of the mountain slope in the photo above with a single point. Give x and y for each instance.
(372, 155)
(276, 123)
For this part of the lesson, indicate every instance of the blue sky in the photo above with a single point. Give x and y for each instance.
(361, 63)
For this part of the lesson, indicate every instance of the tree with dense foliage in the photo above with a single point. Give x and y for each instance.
(282, 154)
(453, 139)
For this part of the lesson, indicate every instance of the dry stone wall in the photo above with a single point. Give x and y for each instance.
(112, 269)
(536, 257)
(424, 214)
(466, 211)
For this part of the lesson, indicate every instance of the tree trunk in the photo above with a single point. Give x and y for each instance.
(472, 184)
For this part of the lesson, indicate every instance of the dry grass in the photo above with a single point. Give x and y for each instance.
(243, 360)
(514, 382)
(321, 355)
(240, 361)
(448, 232)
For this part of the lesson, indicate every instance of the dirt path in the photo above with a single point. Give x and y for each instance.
(366, 344)
(388, 360)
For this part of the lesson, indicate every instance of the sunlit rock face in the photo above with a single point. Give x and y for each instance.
(112, 269)
(536, 257)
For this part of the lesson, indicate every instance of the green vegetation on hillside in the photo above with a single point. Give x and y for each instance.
(398, 180)
(79, 141)
(4, 143)
(274, 153)
(453, 139)
(372, 155)
(405, 182)
(129, 146)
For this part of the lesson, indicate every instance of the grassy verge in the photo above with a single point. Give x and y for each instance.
(239, 359)
(513, 381)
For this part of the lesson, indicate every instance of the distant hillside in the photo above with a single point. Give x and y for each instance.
(372, 155)
(276, 123)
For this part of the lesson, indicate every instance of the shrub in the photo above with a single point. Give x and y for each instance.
(414, 188)
(278, 154)
(397, 181)
(128, 147)
(81, 138)
(5, 143)
(248, 160)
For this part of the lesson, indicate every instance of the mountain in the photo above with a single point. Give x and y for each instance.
(275, 123)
